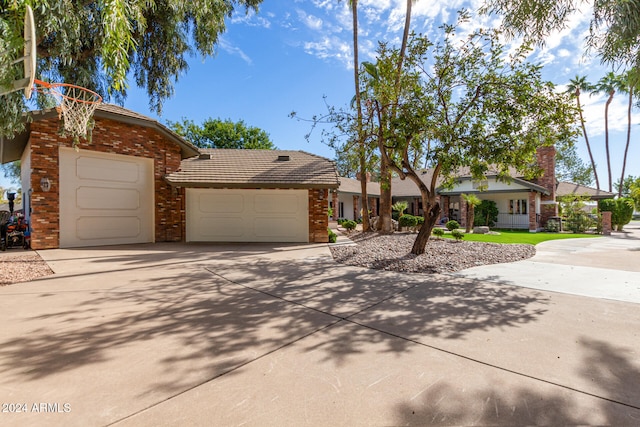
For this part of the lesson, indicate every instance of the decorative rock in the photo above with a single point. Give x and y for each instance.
(481, 230)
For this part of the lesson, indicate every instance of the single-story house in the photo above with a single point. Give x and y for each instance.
(139, 182)
(345, 201)
(522, 204)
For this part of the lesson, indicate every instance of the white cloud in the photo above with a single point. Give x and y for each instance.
(226, 46)
(310, 21)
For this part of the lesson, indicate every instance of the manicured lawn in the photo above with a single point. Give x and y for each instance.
(521, 237)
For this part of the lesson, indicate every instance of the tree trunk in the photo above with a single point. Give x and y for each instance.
(384, 223)
(430, 218)
(626, 148)
(586, 140)
(470, 212)
(366, 225)
(606, 138)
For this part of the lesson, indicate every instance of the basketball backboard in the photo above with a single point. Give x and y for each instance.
(28, 59)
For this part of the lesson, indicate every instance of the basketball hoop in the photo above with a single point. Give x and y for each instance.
(76, 106)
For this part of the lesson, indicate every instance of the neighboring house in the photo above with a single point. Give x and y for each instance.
(345, 202)
(522, 204)
(139, 182)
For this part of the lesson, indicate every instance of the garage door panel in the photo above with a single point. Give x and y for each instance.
(221, 203)
(108, 228)
(107, 198)
(275, 204)
(89, 167)
(274, 228)
(213, 227)
(229, 215)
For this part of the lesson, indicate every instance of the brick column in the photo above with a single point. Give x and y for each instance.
(336, 204)
(318, 218)
(533, 217)
(606, 223)
(445, 207)
(463, 213)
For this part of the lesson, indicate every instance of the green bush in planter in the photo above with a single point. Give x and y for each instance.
(438, 232)
(452, 225)
(349, 225)
(333, 237)
(457, 234)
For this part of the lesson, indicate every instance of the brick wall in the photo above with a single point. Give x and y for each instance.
(108, 137)
(318, 216)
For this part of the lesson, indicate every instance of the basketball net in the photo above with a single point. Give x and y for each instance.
(75, 106)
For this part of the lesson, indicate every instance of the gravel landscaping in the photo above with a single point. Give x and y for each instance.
(21, 266)
(392, 252)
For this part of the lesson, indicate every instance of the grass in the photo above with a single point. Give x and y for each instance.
(513, 236)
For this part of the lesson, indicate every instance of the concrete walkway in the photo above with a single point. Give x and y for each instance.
(280, 335)
(603, 267)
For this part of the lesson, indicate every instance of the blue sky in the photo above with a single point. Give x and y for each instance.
(292, 54)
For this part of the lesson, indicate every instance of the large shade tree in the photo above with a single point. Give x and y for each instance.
(218, 133)
(471, 106)
(98, 44)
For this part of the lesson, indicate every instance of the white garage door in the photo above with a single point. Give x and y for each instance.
(247, 215)
(105, 199)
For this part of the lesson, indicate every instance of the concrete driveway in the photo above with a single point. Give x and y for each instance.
(281, 335)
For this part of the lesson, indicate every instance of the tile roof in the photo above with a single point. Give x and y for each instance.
(232, 168)
(569, 188)
(352, 186)
(13, 148)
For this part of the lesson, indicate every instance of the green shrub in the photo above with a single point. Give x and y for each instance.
(438, 232)
(486, 213)
(625, 207)
(420, 220)
(333, 237)
(621, 211)
(457, 234)
(408, 221)
(452, 225)
(349, 225)
(553, 225)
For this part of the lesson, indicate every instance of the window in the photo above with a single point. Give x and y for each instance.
(518, 206)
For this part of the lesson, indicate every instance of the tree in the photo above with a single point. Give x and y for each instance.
(472, 201)
(12, 171)
(608, 85)
(575, 87)
(362, 147)
(627, 83)
(217, 133)
(472, 106)
(624, 190)
(570, 167)
(634, 192)
(97, 44)
(614, 29)
(386, 124)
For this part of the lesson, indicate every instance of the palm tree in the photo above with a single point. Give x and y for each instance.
(608, 85)
(575, 87)
(472, 201)
(362, 154)
(628, 81)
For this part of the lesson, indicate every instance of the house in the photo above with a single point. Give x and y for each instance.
(345, 201)
(522, 204)
(139, 182)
